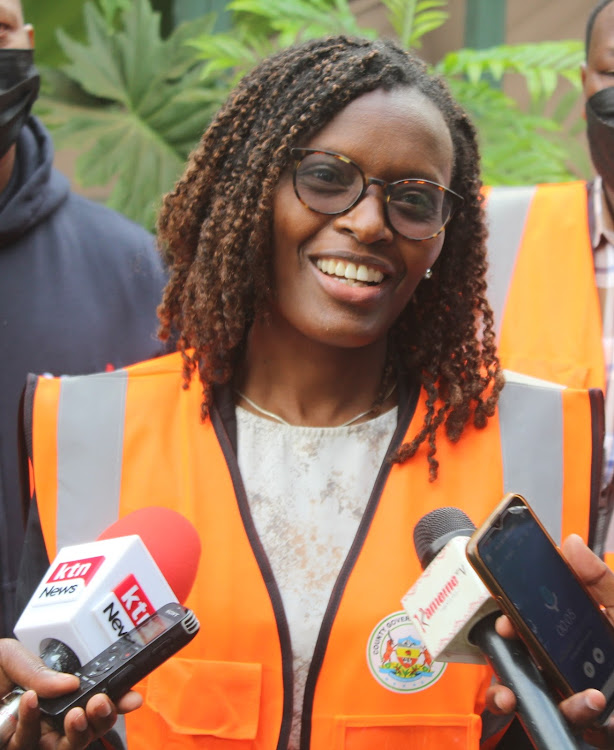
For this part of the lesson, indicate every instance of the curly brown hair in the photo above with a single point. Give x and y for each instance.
(216, 226)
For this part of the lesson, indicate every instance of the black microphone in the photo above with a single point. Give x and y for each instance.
(510, 660)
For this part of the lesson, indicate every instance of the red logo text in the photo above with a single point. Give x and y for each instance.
(134, 599)
(73, 569)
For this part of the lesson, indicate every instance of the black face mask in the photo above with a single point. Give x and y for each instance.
(19, 85)
(600, 132)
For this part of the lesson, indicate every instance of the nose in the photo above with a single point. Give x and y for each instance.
(366, 220)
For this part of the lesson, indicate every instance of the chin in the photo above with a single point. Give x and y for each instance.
(344, 339)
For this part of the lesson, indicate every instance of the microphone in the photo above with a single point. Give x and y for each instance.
(449, 598)
(455, 615)
(94, 593)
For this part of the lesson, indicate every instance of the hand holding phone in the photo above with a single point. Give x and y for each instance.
(569, 636)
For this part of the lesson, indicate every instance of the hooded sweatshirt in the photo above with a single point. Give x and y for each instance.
(79, 287)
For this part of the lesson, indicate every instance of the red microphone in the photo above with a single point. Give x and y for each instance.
(94, 593)
(170, 538)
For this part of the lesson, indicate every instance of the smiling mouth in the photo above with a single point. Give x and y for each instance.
(350, 273)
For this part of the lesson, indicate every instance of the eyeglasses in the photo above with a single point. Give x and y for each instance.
(330, 183)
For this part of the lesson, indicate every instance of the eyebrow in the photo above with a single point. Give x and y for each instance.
(414, 174)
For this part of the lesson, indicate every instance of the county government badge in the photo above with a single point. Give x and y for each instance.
(397, 658)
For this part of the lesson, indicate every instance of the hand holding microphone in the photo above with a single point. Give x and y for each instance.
(21, 724)
(92, 595)
(456, 617)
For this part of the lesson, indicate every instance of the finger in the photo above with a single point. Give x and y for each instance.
(129, 702)
(603, 737)
(27, 729)
(500, 700)
(591, 570)
(101, 714)
(77, 732)
(504, 627)
(21, 667)
(584, 708)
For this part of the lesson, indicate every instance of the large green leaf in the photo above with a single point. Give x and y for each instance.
(95, 65)
(133, 103)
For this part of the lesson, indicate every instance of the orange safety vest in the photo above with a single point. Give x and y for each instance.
(371, 683)
(541, 286)
(541, 283)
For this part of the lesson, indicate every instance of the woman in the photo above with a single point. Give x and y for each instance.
(327, 292)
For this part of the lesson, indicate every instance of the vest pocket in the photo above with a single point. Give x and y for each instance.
(415, 731)
(198, 697)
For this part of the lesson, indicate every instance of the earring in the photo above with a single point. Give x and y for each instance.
(428, 273)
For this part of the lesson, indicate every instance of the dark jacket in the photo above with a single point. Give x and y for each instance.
(79, 286)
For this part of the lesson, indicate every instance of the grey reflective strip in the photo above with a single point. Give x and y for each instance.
(531, 426)
(507, 209)
(90, 443)
(120, 728)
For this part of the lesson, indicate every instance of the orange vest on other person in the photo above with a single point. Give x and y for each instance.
(141, 442)
(541, 283)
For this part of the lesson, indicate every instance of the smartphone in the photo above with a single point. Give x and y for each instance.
(126, 661)
(569, 636)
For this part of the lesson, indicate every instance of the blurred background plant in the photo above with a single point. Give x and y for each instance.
(132, 94)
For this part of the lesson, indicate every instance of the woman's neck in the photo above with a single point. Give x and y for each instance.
(308, 383)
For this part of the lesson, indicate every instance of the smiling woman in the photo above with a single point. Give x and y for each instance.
(365, 232)
(336, 378)
(378, 110)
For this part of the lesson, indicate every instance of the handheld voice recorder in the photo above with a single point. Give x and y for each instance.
(126, 661)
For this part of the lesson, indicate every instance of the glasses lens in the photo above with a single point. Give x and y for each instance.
(418, 209)
(327, 183)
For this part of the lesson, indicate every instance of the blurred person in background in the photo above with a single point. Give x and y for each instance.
(79, 283)
(598, 88)
(551, 264)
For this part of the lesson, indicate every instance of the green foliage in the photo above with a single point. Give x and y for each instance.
(412, 19)
(263, 26)
(541, 64)
(110, 10)
(46, 17)
(135, 104)
(132, 103)
(521, 146)
(517, 147)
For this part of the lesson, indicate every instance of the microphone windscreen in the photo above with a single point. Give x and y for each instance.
(434, 530)
(171, 540)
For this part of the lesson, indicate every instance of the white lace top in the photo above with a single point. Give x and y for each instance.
(308, 488)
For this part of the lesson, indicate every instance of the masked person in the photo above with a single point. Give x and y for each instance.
(551, 264)
(335, 380)
(598, 86)
(79, 283)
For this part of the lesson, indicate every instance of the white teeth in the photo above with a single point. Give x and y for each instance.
(349, 271)
(363, 274)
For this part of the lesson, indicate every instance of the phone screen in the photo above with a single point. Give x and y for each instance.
(550, 600)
